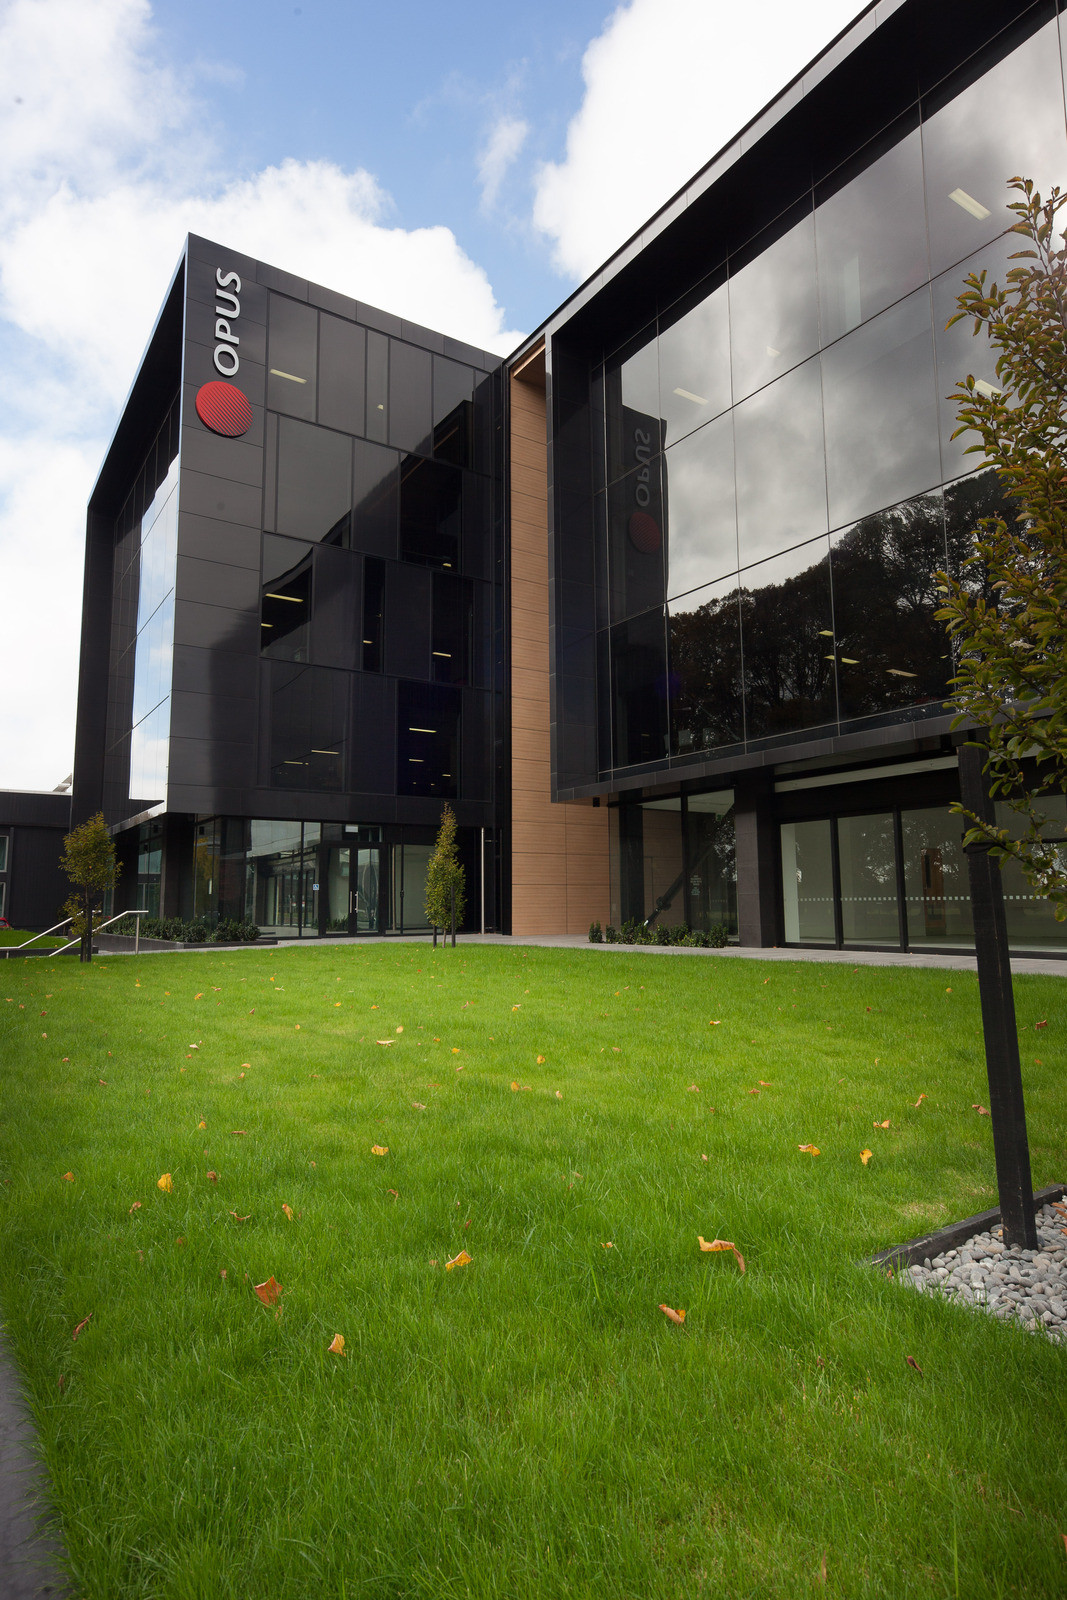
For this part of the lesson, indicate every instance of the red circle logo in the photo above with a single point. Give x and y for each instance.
(224, 409)
(644, 533)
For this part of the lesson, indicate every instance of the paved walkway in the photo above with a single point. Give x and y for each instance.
(29, 1561)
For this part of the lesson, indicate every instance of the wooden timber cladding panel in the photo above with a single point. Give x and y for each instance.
(559, 852)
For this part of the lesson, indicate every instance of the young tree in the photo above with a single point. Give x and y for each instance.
(88, 859)
(445, 875)
(1006, 610)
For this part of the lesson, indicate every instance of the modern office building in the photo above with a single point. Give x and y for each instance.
(32, 827)
(722, 579)
(652, 602)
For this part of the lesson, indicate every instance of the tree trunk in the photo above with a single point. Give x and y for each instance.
(1011, 1149)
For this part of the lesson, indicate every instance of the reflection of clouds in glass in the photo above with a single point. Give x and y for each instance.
(774, 320)
(639, 380)
(960, 352)
(149, 755)
(1010, 121)
(694, 364)
(781, 476)
(701, 521)
(871, 239)
(881, 430)
(159, 549)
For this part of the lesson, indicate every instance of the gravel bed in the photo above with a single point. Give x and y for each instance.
(1029, 1285)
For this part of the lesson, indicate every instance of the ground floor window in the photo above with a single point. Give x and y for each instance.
(897, 879)
(673, 862)
(301, 880)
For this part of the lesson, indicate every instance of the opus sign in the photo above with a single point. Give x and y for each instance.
(221, 406)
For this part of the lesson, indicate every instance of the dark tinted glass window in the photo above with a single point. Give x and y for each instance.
(706, 688)
(633, 508)
(1009, 121)
(336, 607)
(631, 398)
(309, 718)
(774, 312)
(890, 649)
(292, 357)
(373, 614)
(781, 477)
(285, 608)
(410, 398)
(430, 512)
(787, 636)
(377, 499)
(342, 353)
(694, 362)
(960, 352)
(639, 686)
(453, 412)
(871, 239)
(427, 741)
(881, 411)
(701, 519)
(377, 386)
(314, 482)
(453, 626)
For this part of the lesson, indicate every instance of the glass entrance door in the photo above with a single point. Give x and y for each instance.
(364, 884)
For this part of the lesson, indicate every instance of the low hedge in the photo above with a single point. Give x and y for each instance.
(634, 932)
(177, 931)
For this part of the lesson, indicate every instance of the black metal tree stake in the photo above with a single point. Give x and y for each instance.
(1010, 1146)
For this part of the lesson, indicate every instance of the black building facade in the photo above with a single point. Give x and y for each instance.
(293, 646)
(753, 480)
(33, 888)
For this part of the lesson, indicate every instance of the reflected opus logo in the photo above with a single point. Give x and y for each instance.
(221, 406)
(224, 409)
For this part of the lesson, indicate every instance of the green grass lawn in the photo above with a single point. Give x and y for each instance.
(20, 935)
(530, 1424)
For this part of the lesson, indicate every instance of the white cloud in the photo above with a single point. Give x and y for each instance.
(667, 84)
(106, 168)
(502, 147)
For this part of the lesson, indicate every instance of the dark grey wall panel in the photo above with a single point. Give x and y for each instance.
(217, 584)
(220, 498)
(207, 539)
(216, 628)
(204, 451)
(211, 717)
(202, 671)
(216, 763)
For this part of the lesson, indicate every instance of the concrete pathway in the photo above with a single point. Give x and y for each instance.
(29, 1560)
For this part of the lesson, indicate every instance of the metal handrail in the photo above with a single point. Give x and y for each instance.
(26, 943)
(100, 928)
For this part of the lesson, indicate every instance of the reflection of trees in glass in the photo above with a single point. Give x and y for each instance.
(789, 682)
(705, 676)
(890, 650)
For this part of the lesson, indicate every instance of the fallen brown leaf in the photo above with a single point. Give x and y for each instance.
(675, 1316)
(462, 1260)
(981, 1110)
(268, 1292)
(913, 1363)
(288, 1211)
(379, 1149)
(236, 1218)
(80, 1326)
(865, 1156)
(336, 1346)
(721, 1244)
(135, 1207)
(166, 1183)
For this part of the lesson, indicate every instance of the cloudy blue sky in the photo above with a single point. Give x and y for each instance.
(464, 166)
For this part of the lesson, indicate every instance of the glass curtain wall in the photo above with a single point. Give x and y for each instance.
(779, 481)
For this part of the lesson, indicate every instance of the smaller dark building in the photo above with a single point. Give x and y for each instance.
(32, 887)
